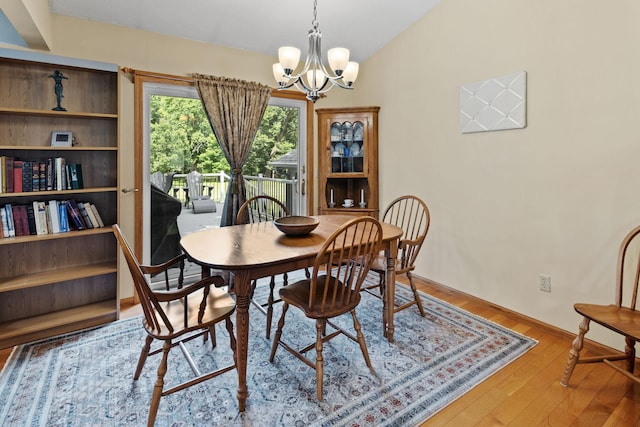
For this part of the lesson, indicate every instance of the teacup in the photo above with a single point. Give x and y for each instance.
(348, 203)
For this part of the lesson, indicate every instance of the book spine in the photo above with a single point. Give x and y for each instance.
(43, 176)
(5, 225)
(35, 176)
(50, 171)
(17, 176)
(9, 173)
(62, 215)
(97, 214)
(27, 176)
(55, 218)
(31, 219)
(74, 214)
(85, 215)
(10, 223)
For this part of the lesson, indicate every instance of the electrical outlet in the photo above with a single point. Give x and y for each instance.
(545, 283)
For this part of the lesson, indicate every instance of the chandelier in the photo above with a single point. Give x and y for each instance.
(315, 79)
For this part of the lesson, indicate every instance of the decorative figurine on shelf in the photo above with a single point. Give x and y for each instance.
(57, 77)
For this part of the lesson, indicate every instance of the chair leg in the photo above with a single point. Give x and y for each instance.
(320, 328)
(382, 286)
(574, 353)
(416, 295)
(630, 352)
(232, 339)
(361, 340)
(212, 332)
(276, 338)
(272, 286)
(143, 356)
(157, 389)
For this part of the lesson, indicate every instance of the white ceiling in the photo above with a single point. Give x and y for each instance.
(363, 26)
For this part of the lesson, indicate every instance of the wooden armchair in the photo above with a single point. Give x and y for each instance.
(333, 289)
(411, 214)
(175, 317)
(621, 317)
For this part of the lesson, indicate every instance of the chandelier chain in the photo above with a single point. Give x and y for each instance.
(314, 22)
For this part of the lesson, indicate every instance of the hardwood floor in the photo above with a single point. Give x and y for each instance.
(527, 392)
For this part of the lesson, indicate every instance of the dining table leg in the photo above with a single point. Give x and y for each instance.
(242, 289)
(391, 252)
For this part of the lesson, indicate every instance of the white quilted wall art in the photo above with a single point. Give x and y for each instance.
(494, 104)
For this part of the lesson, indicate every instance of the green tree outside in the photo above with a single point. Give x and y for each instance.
(182, 139)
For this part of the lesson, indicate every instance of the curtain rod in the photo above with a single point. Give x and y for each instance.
(134, 72)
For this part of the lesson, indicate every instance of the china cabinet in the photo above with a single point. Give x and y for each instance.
(348, 161)
(59, 281)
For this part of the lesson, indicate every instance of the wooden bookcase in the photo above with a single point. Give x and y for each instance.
(57, 283)
(348, 160)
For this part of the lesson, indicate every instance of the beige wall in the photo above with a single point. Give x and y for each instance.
(556, 197)
(553, 198)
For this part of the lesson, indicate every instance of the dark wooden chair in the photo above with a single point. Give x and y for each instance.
(338, 272)
(175, 317)
(258, 209)
(411, 214)
(621, 317)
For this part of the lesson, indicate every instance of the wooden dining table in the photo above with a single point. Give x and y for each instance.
(253, 251)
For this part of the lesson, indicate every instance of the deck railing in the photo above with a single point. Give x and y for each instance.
(216, 184)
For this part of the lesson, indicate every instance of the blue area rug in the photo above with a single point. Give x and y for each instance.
(86, 378)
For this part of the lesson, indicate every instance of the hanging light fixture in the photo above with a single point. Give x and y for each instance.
(315, 79)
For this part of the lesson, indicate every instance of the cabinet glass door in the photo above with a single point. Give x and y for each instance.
(347, 147)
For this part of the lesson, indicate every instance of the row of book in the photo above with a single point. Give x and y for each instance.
(54, 173)
(53, 216)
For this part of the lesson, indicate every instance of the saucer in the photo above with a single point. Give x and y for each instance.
(347, 206)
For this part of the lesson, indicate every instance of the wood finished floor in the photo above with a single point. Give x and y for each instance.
(527, 392)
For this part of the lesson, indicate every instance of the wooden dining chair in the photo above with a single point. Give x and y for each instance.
(258, 209)
(411, 214)
(175, 317)
(621, 317)
(339, 270)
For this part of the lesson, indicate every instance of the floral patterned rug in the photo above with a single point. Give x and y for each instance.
(86, 378)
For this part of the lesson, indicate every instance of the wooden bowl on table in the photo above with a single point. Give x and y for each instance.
(296, 225)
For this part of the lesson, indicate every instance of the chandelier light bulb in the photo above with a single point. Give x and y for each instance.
(338, 59)
(289, 57)
(351, 73)
(278, 74)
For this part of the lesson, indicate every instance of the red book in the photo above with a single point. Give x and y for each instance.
(17, 176)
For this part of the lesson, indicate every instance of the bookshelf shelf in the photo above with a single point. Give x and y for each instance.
(46, 194)
(23, 330)
(55, 283)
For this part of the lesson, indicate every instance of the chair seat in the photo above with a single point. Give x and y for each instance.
(297, 294)
(219, 306)
(623, 320)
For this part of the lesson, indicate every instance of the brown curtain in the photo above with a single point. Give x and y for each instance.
(235, 109)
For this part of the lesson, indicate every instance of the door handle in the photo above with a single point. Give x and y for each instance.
(303, 187)
(129, 190)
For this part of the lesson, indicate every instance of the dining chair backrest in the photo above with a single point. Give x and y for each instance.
(261, 208)
(156, 319)
(342, 264)
(411, 214)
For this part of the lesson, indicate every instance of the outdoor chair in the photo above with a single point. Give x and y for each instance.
(257, 209)
(621, 317)
(200, 203)
(411, 214)
(163, 181)
(176, 317)
(339, 270)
